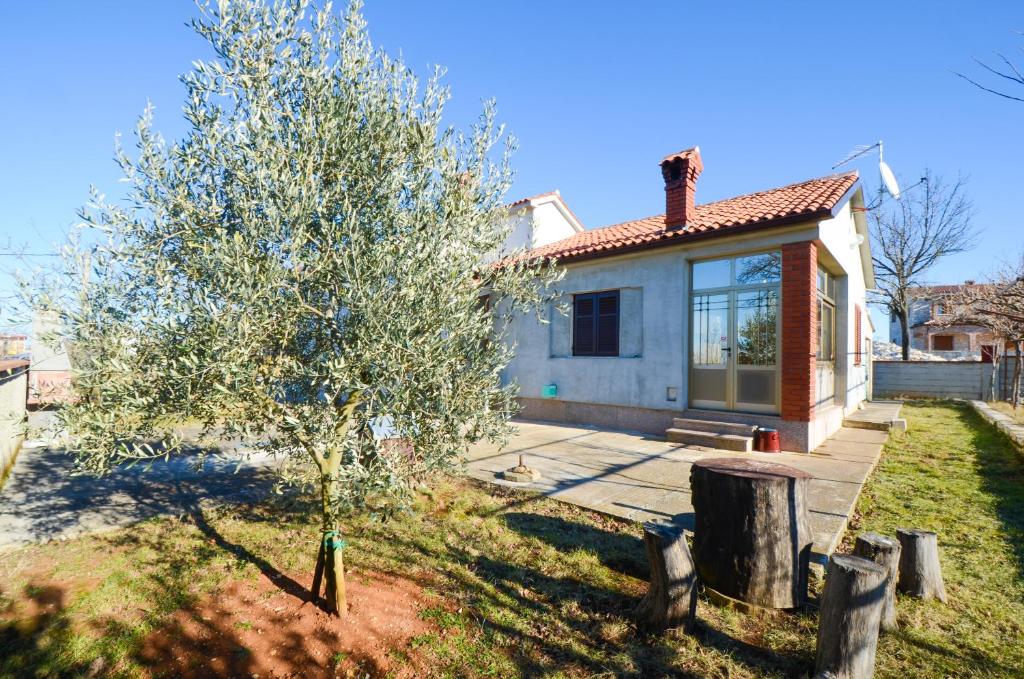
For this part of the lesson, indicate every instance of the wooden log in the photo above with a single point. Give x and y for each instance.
(920, 570)
(671, 599)
(851, 610)
(752, 536)
(886, 553)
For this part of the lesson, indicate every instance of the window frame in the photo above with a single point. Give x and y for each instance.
(825, 285)
(595, 320)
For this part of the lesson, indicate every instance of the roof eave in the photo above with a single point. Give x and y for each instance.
(817, 215)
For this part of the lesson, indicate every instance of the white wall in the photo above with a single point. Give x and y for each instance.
(842, 256)
(550, 224)
(639, 381)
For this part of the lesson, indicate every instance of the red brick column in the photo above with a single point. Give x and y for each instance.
(799, 329)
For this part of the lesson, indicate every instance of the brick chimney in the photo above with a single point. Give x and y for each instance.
(680, 171)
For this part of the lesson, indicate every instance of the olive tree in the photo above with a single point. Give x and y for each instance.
(315, 258)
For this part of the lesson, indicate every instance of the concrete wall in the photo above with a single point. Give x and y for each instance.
(652, 333)
(13, 413)
(842, 257)
(550, 223)
(939, 379)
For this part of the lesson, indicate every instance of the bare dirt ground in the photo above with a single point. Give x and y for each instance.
(255, 629)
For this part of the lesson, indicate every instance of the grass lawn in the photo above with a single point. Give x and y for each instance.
(497, 583)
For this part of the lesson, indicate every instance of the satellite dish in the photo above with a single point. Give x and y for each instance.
(889, 179)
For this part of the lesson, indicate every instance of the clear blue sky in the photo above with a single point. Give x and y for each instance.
(596, 93)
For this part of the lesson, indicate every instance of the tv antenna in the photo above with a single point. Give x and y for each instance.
(889, 183)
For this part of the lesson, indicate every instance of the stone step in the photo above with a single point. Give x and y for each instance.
(867, 424)
(733, 428)
(690, 437)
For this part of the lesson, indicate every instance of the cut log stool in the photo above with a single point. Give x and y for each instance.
(851, 609)
(752, 537)
(920, 571)
(886, 553)
(671, 599)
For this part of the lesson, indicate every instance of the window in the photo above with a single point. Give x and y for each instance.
(826, 316)
(942, 342)
(939, 310)
(760, 269)
(595, 324)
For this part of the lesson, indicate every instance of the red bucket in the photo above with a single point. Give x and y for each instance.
(767, 441)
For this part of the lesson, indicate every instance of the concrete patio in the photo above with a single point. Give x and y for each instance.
(643, 478)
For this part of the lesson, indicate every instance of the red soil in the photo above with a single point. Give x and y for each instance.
(256, 629)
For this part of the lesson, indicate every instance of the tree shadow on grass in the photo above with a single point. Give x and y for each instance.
(549, 622)
(1001, 467)
(34, 640)
(618, 551)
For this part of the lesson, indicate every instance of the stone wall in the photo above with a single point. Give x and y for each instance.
(13, 411)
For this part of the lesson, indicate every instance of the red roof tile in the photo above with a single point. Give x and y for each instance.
(806, 200)
(7, 365)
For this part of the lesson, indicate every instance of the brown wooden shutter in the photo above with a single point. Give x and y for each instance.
(857, 335)
(595, 327)
(583, 331)
(607, 329)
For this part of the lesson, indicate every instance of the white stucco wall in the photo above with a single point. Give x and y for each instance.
(842, 256)
(638, 381)
(550, 224)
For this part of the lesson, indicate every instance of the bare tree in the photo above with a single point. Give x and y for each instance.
(998, 306)
(908, 241)
(1006, 70)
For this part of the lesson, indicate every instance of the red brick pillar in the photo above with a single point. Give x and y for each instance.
(799, 329)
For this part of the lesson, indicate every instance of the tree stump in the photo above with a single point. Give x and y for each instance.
(886, 553)
(851, 610)
(671, 599)
(920, 571)
(752, 539)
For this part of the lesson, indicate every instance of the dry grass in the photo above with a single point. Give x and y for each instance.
(1006, 408)
(533, 587)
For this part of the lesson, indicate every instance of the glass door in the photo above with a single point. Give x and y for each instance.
(712, 347)
(756, 323)
(734, 350)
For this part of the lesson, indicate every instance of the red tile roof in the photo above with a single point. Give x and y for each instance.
(813, 199)
(522, 201)
(7, 365)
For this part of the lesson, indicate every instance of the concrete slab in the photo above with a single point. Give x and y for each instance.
(642, 478)
(42, 500)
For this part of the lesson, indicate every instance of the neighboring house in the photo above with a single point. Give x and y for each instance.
(50, 373)
(749, 310)
(540, 220)
(13, 412)
(12, 345)
(929, 333)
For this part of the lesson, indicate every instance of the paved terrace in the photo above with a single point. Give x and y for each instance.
(644, 478)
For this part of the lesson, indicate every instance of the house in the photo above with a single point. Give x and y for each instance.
(13, 345)
(50, 374)
(540, 220)
(929, 332)
(747, 311)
